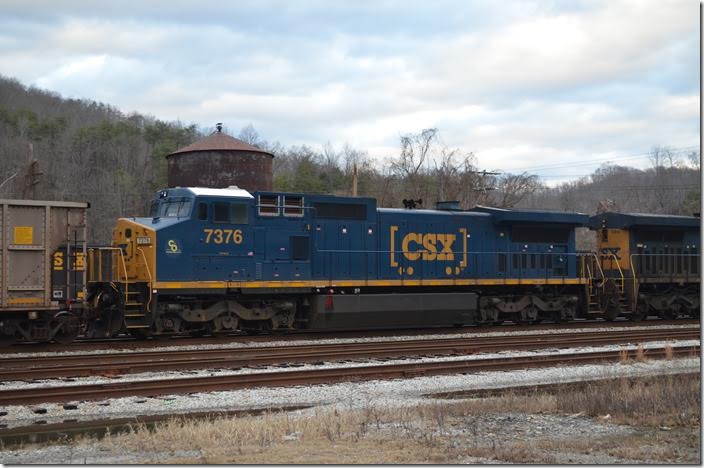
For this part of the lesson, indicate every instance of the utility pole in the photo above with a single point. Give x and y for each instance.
(31, 178)
(482, 175)
(354, 180)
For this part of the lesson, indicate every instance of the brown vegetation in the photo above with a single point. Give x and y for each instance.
(664, 413)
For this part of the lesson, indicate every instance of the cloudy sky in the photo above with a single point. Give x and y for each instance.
(552, 87)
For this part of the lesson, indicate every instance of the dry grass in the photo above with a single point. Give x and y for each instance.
(437, 432)
(665, 401)
(669, 352)
(640, 353)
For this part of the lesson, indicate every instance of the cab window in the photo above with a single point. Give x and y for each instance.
(239, 214)
(221, 213)
(202, 211)
(175, 209)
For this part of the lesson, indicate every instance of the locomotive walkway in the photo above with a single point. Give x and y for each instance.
(155, 387)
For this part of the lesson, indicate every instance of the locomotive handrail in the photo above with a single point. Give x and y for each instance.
(511, 268)
(618, 265)
(122, 263)
(601, 271)
(635, 282)
(149, 274)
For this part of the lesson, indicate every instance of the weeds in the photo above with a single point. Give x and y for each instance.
(669, 352)
(424, 433)
(640, 353)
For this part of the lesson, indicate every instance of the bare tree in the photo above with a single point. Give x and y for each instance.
(415, 150)
(513, 188)
(249, 135)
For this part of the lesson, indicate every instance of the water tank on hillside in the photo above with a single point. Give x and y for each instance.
(219, 161)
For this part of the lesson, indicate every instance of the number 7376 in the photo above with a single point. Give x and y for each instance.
(223, 236)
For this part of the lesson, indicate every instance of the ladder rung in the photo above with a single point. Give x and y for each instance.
(135, 315)
(132, 303)
(137, 326)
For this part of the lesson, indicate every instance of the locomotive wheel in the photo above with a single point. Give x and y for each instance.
(639, 314)
(70, 329)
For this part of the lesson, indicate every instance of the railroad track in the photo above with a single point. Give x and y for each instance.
(152, 388)
(130, 343)
(46, 367)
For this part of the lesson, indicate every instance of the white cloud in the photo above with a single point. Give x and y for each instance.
(528, 81)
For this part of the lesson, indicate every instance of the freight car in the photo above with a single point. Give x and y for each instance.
(218, 260)
(42, 270)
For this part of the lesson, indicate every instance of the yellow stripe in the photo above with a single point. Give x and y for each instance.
(25, 300)
(358, 283)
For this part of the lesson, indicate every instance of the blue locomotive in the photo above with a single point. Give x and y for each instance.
(219, 260)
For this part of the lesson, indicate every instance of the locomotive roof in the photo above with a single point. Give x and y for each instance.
(231, 191)
(505, 215)
(432, 212)
(626, 220)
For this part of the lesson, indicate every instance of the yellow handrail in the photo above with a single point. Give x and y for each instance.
(601, 271)
(618, 265)
(117, 269)
(149, 274)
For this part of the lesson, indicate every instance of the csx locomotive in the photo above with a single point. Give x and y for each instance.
(214, 261)
(219, 260)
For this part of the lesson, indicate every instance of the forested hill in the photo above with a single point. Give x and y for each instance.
(672, 185)
(89, 151)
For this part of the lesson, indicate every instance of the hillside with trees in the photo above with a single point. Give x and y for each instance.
(68, 149)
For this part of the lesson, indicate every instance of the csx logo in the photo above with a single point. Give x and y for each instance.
(428, 246)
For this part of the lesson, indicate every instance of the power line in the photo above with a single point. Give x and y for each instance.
(592, 161)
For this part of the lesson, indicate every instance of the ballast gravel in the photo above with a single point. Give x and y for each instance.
(144, 376)
(386, 393)
(245, 343)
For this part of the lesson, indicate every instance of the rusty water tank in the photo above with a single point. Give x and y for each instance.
(219, 161)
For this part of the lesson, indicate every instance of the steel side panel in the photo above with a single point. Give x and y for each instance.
(30, 232)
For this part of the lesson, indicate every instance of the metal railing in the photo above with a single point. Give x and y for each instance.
(620, 271)
(115, 260)
(590, 261)
(149, 275)
(339, 264)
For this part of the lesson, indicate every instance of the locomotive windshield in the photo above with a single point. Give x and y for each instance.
(171, 208)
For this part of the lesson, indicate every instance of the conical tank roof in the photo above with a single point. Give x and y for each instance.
(219, 141)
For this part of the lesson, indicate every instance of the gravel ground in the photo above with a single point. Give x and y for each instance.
(260, 344)
(346, 396)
